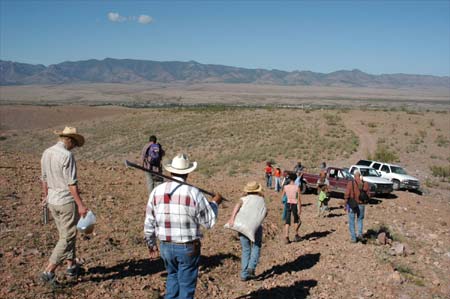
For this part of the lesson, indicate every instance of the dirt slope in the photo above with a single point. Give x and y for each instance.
(324, 264)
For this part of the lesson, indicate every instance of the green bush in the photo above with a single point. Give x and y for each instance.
(441, 171)
(384, 154)
(442, 141)
(332, 119)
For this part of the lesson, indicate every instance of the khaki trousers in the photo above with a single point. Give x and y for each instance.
(66, 219)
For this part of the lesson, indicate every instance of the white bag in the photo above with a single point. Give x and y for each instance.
(250, 216)
(86, 224)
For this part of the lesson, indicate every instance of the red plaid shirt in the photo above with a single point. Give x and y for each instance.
(175, 213)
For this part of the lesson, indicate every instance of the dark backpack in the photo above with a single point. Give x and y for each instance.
(155, 154)
(363, 196)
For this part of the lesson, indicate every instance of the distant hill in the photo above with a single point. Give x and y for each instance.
(133, 71)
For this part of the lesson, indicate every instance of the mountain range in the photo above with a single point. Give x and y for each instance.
(111, 70)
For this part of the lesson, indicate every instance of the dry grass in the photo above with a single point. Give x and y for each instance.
(225, 139)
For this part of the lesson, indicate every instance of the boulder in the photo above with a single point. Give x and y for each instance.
(398, 249)
(396, 277)
(382, 239)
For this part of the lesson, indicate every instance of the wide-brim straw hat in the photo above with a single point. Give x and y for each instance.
(253, 187)
(180, 165)
(72, 133)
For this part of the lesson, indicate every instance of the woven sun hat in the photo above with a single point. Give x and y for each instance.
(253, 187)
(72, 133)
(180, 165)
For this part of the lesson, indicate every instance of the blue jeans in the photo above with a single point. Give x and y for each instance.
(268, 180)
(250, 252)
(277, 184)
(359, 213)
(181, 262)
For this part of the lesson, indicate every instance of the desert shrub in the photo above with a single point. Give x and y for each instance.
(412, 148)
(3, 138)
(384, 154)
(332, 119)
(372, 125)
(354, 143)
(409, 274)
(417, 140)
(422, 134)
(441, 171)
(430, 184)
(441, 141)
(373, 233)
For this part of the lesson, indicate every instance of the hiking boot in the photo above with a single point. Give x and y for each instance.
(353, 241)
(50, 278)
(73, 271)
(297, 238)
(286, 240)
(251, 273)
(244, 278)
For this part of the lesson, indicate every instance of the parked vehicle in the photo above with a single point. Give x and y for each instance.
(396, 174)
(337, 177)
(378, 185)
(364, 162)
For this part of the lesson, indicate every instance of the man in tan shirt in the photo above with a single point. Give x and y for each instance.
(60, 193)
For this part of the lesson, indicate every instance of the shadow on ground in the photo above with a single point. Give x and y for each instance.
(207, 263)
(374, 201)
(145, 267)
(333, 215)
(336, 208)
(299, 290)
(387, 196)
(125, 269)
(301, 263)
(317, 235)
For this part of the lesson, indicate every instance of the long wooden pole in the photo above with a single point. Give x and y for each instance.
(134, 165)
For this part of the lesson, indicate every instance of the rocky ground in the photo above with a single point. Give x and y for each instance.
(324, 264)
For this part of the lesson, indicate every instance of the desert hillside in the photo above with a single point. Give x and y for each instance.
(231, 146)
(112, 70)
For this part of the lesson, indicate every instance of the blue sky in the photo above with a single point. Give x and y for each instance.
(322, 36)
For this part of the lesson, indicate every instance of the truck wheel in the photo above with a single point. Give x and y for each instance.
(396, 185)
(303, 188)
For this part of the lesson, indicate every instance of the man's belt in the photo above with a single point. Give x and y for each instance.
(182, 243)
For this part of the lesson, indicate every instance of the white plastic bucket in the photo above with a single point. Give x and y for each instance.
(86, 224)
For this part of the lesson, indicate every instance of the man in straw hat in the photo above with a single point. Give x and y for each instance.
(60, 193)
(174, 214)
(250, 252)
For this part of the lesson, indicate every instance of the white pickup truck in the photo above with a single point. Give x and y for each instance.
(396, 174)
(377, 184)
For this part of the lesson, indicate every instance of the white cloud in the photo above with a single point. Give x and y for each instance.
(115, 17)
(144, 19)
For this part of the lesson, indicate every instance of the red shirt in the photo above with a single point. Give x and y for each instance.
(268, 169)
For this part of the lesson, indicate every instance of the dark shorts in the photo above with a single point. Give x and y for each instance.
(292, 208)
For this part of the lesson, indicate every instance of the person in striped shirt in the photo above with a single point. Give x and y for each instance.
(174, 215)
